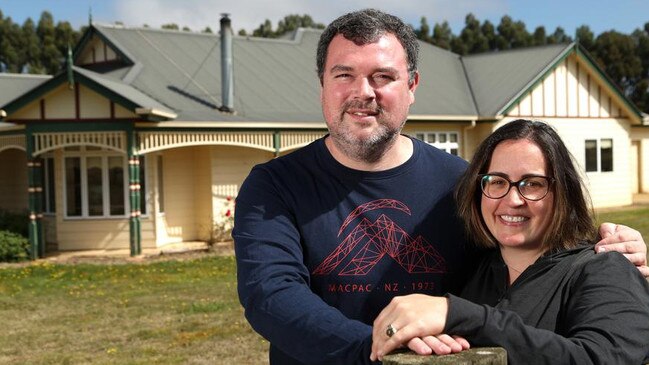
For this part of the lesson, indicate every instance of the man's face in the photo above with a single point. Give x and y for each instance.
(365, 93)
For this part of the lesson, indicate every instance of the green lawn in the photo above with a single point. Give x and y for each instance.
(636, 217)
(172, 312)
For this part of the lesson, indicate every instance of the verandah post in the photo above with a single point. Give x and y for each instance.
(134, 195)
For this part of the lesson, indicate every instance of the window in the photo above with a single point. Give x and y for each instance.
(49, 195)
(95, 183)
(142, 185)
(161, 201)
(599, 155)
(445, 141)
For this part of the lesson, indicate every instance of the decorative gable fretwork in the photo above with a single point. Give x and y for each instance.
(7, 142)
(571, 90)
(97, 51)
(44, 142)
(156, 141)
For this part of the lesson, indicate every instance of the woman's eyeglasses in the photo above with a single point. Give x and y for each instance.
(531, 188)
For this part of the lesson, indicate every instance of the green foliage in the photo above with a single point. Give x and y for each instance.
(13, 247)
(41, 47)
(14, 222)
(286, 25)
(625, 58)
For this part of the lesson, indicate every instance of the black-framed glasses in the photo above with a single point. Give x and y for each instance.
(533, 188)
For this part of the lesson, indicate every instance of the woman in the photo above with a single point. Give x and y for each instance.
(541, 292)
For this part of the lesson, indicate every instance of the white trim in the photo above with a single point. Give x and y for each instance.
(446, 146)
(155, 112)
(598, 150)
(83, 155)
(235, 125)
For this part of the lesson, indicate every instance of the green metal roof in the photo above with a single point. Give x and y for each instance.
(15, 85)
(499, 78)
(179, 74)
(443, 88)
(274, 80)
(131, 97)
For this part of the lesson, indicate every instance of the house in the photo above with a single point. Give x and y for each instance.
(149, 132)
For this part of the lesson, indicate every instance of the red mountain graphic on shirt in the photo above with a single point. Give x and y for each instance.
(378, 239)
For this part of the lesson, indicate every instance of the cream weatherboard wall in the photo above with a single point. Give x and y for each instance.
(230, 166)
(577, 102)
(640, 139)
(184, 184)
(60, 103)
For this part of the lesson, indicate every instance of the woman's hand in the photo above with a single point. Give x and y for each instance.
(416, 320)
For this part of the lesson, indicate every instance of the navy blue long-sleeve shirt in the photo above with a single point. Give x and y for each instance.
(321, 248)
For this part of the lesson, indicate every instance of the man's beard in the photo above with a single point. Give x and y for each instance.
(371, 148)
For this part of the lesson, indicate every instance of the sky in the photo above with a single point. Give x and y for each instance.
(600, 15)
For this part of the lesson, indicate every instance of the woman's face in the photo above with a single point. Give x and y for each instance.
(514, 221)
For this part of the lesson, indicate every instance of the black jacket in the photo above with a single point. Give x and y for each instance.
(571, 307)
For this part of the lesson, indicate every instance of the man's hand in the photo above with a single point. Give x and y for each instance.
(628, 241)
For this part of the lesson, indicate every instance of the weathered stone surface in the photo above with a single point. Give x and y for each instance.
(475, 356)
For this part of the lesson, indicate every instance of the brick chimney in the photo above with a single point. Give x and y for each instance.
(227, 79)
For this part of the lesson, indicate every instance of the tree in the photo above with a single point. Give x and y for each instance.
(489, 32)
(585, 37)
(170, 26)
(539, 38)
(442, 35)
(294, 21)
(423, 33)
(265, 30)
(31, 51)
(10, 45)
(50, 56)
(640, 94)
(471, 39)
(512, 34)
(615, 54)
(288, 24)
(65, 37)
(559, 36)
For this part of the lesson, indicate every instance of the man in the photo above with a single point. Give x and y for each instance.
(327, 235)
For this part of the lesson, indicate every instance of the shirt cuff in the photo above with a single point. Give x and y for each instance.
(464, 318)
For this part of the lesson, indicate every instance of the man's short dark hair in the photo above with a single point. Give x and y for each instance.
(367, 26)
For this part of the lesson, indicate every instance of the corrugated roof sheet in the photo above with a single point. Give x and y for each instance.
(15, 85)
(499, 77)
(274, 80)
(443, 88)
(126, 91)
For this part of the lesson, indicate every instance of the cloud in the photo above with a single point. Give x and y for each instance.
(249, 14)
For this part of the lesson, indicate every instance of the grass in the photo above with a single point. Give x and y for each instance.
(174, 312)
(171, 312)
(636, 217)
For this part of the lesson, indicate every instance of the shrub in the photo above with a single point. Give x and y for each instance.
(13, 247)
(224, 222)
(14, 222)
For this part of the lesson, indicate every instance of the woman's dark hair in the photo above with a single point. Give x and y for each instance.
(572, 220)
(367, 26)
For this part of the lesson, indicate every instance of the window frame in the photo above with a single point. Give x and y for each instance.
(83, 154)
(599, 152)
(447, 146)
